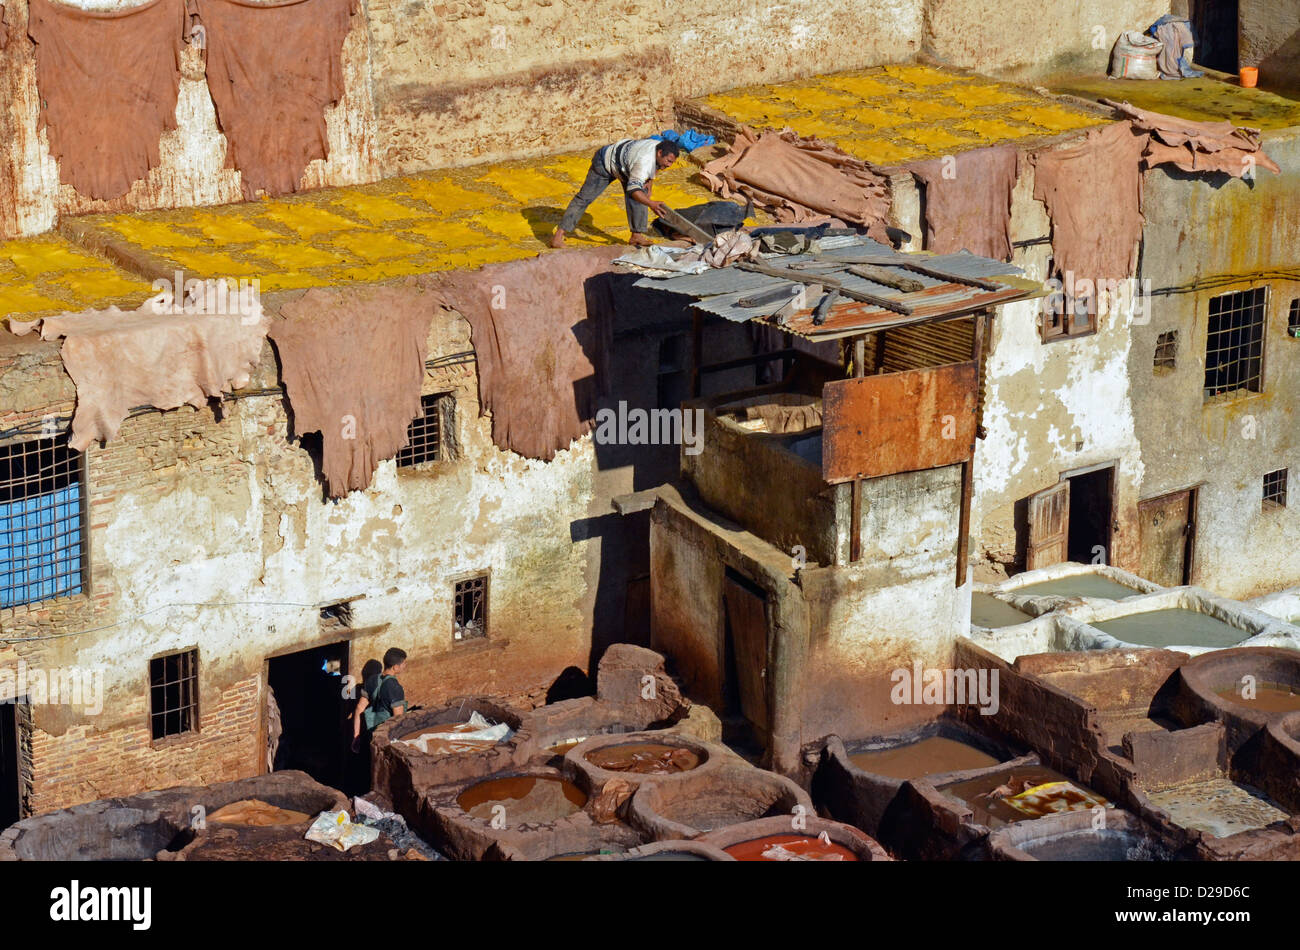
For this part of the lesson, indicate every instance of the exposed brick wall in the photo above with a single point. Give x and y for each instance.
(82, 765)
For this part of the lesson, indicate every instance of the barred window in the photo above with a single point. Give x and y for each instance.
(1234, 347)
(1275, 489)
(471, 605)
(424, 437)
(1293, 319)
(174, 693)
(42, 521)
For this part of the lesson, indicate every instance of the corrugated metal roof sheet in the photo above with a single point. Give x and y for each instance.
(719, 291)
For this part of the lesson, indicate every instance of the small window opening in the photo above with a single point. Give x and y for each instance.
(1166, 350)
(174, 693)
(471, 607)
(1275, 489)
(1234, 346)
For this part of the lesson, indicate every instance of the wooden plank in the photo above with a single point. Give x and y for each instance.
(898, 422)
(855, 496)
(1164, 529)
(1049, 526)
(918, 268)
(880, 275)
(680, 224)
(829, 283)
(745, 616)
(968, 466)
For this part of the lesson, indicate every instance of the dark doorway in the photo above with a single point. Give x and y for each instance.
(309, 690)
(10, 772)
(1091, 511)
(1214, 25)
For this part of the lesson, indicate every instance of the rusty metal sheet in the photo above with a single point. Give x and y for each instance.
(898, 422)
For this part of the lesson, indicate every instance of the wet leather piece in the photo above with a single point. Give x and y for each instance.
(108, 83)
(352, 363)
(273, 70)
(1093, 193)
(542, 353)
(1199, 146)
(969, 207)
(801, 180)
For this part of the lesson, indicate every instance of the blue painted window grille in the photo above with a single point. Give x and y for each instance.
(42, 521)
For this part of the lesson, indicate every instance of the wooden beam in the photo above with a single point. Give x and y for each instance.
(829, 283)
(968, 467)
(680, 224)
(855, 493)
(740, 361)
(880, 275)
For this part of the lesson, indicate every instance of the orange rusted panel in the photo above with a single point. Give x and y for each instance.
(898, 422)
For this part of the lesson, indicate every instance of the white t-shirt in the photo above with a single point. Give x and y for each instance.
(633, 161)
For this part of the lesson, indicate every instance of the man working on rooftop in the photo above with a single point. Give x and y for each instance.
(634, 162)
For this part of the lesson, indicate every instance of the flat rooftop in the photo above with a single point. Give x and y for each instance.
(1214, 97)
(49, 274)
(895, 114)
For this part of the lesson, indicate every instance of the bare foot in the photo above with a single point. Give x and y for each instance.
(639, 240)
(557, 239)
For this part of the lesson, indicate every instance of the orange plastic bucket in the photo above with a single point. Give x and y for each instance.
(1249, 76)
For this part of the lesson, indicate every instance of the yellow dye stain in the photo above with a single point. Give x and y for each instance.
(478, 257)
(211, 264)
(449, 233)
(1209, 98)
(917, 75)
(675, 197)
(306, 220)
(972, 95)
(152, 233)
(752, 111)
(294, 256)
(374, 208)
(445, 196)
(822, 128)
(387, 270)
(527, 185)
(228, 229)
(814, 98)
(510, 224)
(877, 118)
(377, 246)
(928, 110)
(27, 300)
(933, 139)
(879, 151)
(995, 130)
(292, 280)
(40, 257)
(574, 168)
(100, 285)
(875, 86)
(1054, 118)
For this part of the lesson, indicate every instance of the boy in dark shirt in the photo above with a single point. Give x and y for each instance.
(382, 697)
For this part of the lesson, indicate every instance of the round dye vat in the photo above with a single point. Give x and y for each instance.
(447, 739)
(671, 856)
(1269, 697)
(1009, 796)
(802, 847)
(530, 799)
(1104, 844)
(928, 757)
(560, 748)
(644, 758)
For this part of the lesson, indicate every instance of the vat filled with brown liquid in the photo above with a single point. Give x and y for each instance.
(930, 756)
(644, 758)
(1268, 697)
(531, 799)
(1022, 793)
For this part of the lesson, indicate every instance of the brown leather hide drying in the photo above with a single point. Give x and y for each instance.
(273, 71)
(543, 352)
(801, 180)
(4, 28)
(119, 360)
(970, 208)
(352, 362)
(1093, 193)
(1199, 146)
(108, 83)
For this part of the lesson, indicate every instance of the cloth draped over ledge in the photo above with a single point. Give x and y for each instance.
(273, 70)
(542, 333)
(1198, 146)
(122, 359)
(352, 362)
(801, 180)
(108, 83)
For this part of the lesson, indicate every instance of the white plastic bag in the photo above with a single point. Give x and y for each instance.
(1135, 56)
(334, 829)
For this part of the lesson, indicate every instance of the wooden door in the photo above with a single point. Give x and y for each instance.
(1165, 526)
(746, 619)
(1049, 527)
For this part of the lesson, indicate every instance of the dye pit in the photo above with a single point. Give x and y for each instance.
(560, 748)
(988, 611)
(800, 847)
(1269, 697)
(1105, 844)
(671, 856)
(532, 799)
(442, 740)
(1172, 627)
(930, 756)
(1079, 585)
(644, 758)
(1219, 807)
(257, 813)
(1018, 794)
